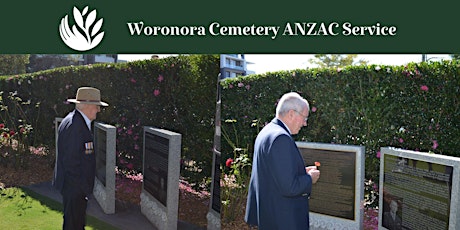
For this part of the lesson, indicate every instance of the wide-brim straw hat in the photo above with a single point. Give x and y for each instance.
(88, 95)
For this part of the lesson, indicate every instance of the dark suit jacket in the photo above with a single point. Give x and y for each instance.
(391, 224)
(279, 188)
(76, 162)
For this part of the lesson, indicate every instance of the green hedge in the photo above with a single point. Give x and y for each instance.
(413, 107)
(176, 93)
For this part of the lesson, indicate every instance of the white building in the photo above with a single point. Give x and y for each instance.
(233, 65)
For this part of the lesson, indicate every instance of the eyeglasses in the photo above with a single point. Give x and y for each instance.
(305, 117)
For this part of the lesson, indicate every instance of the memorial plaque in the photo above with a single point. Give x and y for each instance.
(161, 168)
(340, 188)
(105, 151)
(100, 139)
(417, 190)
(156, 166)
(334, 193)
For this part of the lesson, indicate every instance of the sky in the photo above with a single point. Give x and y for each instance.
(262, 63)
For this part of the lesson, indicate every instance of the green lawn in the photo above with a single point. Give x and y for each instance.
(21, 208)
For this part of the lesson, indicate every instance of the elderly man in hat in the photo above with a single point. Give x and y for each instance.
(76, 164)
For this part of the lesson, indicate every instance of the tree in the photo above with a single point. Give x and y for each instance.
(335, 60)
(13, 63)
(455, 56)
(49, 61)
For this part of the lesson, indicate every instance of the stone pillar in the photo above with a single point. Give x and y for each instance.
(161, 168)
(105, 150)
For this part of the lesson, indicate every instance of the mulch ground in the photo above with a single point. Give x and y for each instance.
(193, 205)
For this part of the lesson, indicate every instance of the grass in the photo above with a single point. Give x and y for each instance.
(21, 208)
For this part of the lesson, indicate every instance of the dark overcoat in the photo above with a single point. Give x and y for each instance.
(76, 162)
(279, 188)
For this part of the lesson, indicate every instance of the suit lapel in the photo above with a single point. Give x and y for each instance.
(82, 119)
(280, 123)
(88, 133)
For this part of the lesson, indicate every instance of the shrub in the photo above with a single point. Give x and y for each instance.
(413, 107)
(175, 93)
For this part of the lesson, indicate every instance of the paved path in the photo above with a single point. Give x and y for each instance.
(125, 217)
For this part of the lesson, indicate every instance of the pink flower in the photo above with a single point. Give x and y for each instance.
(230, 86)
(133, 80)
(378, 154)
(435, 144)
(240, 84)
(2, 126)
(248, 87)
(130, 131)
(12, 133)
(129, 166)
(136, 147)
(156, 92)
(401, 140)
(160, 78)
(313, 109)
(424, 88)
(229, 162)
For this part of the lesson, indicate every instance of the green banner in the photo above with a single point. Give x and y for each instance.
(148, 26)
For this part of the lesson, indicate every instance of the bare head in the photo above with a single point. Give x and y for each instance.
(293, 110)
(393, 206)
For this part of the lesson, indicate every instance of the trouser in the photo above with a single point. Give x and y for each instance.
(75, 203)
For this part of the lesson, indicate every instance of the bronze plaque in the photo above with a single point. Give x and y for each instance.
(334, 193)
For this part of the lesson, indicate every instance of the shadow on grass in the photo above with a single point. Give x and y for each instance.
(22, 208)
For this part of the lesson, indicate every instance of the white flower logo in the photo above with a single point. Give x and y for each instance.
(87, 35)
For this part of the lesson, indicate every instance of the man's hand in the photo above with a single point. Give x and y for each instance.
(313, 172)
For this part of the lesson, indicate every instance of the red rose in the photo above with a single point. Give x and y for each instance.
(2, 126)
(229, 162)
(12, 133)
